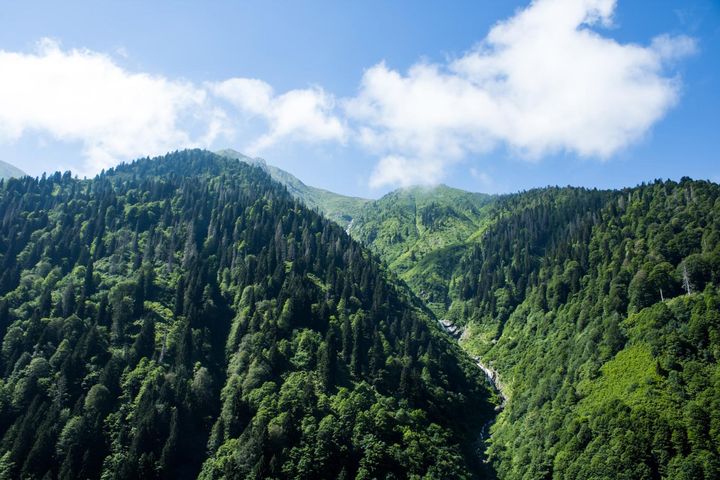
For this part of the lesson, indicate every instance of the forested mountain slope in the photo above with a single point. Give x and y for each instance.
(579, 299)
(421, 232)
(339, 208)
(601, 311)
(185, 316)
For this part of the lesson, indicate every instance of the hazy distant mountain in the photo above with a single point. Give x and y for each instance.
(339, 208)
(7, 170)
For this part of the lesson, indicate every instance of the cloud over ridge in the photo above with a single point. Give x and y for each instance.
(297, 114)
(80, 95)
(85, 96)
(541, 82)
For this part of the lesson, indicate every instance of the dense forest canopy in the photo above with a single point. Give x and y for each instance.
(420, 231)
(185, 316)
(600, 310)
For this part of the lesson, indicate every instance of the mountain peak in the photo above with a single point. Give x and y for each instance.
(8, 170)
(234, 154)
(339, 208)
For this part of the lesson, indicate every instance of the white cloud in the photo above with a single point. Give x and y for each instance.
(402, 171)
(304, 114)
(480, 176)
(539, 83)
(86, 97)
(251, 95)
(83, 96)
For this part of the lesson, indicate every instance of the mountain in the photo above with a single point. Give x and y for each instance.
(419, 232)
(336, 207)
(598, 310)
(186, 317)
(7, 170)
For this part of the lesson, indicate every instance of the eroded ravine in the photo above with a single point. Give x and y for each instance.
(493, 378)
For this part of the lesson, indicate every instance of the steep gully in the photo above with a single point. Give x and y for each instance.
(491, 375)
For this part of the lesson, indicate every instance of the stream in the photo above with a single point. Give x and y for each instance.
(493, 378)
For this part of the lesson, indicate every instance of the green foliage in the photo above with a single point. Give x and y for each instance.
(185, 316)
(339, 208)
(561, 290)
(607, 379)
(420, 233)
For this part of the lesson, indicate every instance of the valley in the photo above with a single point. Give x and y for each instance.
(571, 294)
(333, 240)
(189, 316)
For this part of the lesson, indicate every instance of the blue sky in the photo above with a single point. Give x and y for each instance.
(363, 97)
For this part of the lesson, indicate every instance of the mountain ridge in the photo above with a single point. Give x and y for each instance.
(184, 317)
(8, 170)
(199, 283)
(335, 206)
(598, 309)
